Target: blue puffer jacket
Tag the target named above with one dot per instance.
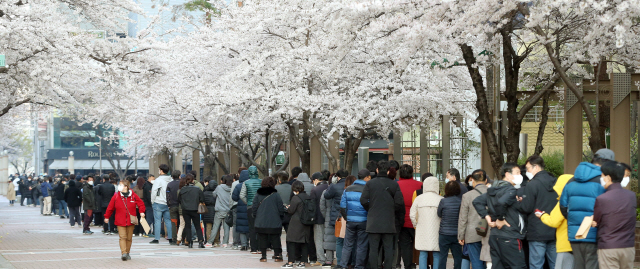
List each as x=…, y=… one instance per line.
x=351, y=202
x=579, y=197
x=242, y=221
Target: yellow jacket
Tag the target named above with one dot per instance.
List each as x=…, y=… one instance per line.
x=556, y=220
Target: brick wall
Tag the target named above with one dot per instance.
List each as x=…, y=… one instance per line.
x=637, y=241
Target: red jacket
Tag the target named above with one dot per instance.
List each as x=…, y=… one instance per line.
x=408, y=186
x=117, y=204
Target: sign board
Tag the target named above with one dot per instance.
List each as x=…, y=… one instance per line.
x=2, y=62
x=280, y=158
x=89, y=144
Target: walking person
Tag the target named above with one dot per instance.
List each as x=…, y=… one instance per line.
x=159, y=203
x=615, y=216
x=468, y=221
x=356, y=237
x=383, y=200
x=222, y=196
x=123, y=207
x=424, y=216
x=73, y=197
x=299, y=234
x=88, y=198
x=190, y=197
x=247, y=191
x=107, y=190
x=449, y=211
x=268, y=214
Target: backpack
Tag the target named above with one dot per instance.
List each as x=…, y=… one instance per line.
x=308, y=216
x=482, y=227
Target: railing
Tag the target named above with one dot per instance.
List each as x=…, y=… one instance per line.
x=555, y=114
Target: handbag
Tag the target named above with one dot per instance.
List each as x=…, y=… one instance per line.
x=133, y=219
x=229, y=218
x=202, y=209
x=482, y=227
x=341, y=227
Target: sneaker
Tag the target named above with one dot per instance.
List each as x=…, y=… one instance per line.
x=73, y=226
x=287, y=265
x=154, y=242
x=128, y=257
x=301, y=265
x=135, y=235
x=315, y=264
x=244, y=248
x=62, y=217
x=216, y=245
x=145, y=235
x=225, y=246
x=124, y=257
x=235, y=247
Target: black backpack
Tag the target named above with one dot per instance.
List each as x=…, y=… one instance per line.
x=308, y=216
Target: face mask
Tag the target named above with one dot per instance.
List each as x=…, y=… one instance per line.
x=120, y=188
x=517, y=179
x=90, y=183
x=529, y=175
x=446, y=180
x=602, y=182
x=625, y=182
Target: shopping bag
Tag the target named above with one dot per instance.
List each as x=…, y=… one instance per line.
x=583, y=231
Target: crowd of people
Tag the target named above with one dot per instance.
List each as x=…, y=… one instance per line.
x=383, y=217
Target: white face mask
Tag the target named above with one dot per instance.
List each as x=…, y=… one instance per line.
x=446, y=180
x=517, y=179
x=529, y=175
x=625, y=182
x=120, y=188
x=90, y=183
x=602, y=182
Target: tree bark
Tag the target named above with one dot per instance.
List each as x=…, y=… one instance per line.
x=543, y=124
x=351, y=145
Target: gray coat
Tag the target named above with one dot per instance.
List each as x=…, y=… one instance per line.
x=329, y=242
x=469, y=216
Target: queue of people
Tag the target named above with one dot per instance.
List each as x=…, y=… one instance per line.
x=379, y=218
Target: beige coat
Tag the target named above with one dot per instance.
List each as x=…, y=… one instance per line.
x=469, y=217
x=11, y=191
x=485, y=256
x=424, y=216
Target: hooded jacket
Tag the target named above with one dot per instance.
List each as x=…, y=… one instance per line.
x=73, y=195
x=58, y=191
x=45, y=188
x=88, y=197
x=306, y=181
x=210, y=202
x=269, y=211
x=424, y=216
x=350, y=206
x=539, y=194
x=329, y=239
x=251, y=186
x=159, y=190
x=119, y=206
x=298, y=232
x=555, y=219
x=500, y=204
x=334, y=193
x=579, y=198
x=242, y=220
x=223, y=198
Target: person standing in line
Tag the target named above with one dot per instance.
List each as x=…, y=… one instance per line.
x=222, y=196
x=123, y=207
x=334, y=194
x=268, y=214
x=539, y=195
x=615, y=216
x=449, y=211
x=36, y=193
x=383, y=200
x=356, y=237
x=454, y=175
x=190, y=197
x=242, y=220
x=146, y=198
x=424, y=216
x=407, y=234
x=73, y=197
x=299, y=234
x=139, y=190
x=107, y=190
x=88, y=205
x=159, y=203
x=11, y=191
x=321, y=185
x=467, y=235
x=247, y=191
x=24, y=191
x=210, y=202
x=173, y=203
x=577, y=202
x=499, y=206
x=98, y=214
x=555, y=219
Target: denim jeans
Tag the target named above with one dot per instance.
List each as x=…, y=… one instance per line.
x=356, y=237
x=62, y=204
x=465, y=264
x=474, y=255
x=161, y=211
x=537, y=252
x=339, y=245
x=447, y=242
x=424, y=256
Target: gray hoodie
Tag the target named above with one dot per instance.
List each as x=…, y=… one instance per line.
x=223, y=198
x=159, y=190
x=304, y=178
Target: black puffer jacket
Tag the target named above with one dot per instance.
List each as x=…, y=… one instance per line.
x=210, y=202
x=449, y=211
x=539, y=194
x=106, y=192
x=334, y=193
x=268, y=211
x=147, y=194
x=316, y=194
x=190, y=197
x=73, y=195
x=59, y=191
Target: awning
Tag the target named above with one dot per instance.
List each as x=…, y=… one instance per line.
x=95, y=164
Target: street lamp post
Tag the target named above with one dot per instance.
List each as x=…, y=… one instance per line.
x=71, y=160
x=99, y=144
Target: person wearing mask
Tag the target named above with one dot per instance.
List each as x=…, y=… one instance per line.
x=210, y=202
x=408, y=186
x=59, y=194
x=499, y=206
x=467, y=235
x=283, y=187
x=329, y=238
x=382, y=199
x=539, y=195
x=627, y=175
x=454, y=175
x=146, y=198
x=172, y=202
x=159, y=204
x=123, y=207
x=295, y=172
x=88, y=205
x=614, y=214
x=247, y=191
x=242, y=220
x=334, y=193
x=190, y=197
x=356, y=237
x=268, y=214
x=138, y=190
x=107, y=190
x=555, y=219
x=321, y=185
x=424, y=216
x=448, y=211
x=222, y=194
x=73, y=197
x=577, y=202
x=299, y=235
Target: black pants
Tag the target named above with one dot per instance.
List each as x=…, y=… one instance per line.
x=22, y=198
x=298, y=250
x=87, y=220
x=192, y=216
x=253, y=238
x=138, y=229
x=376, y=241
x=585, y=255
x=272, y=240
x=174, y=214
x=98, y=218
x=311, y=246
x=506, y=253
x=406, y=246
x=110, y=226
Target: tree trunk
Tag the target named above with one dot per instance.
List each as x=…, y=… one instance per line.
x=351, y=145
x=543, y=124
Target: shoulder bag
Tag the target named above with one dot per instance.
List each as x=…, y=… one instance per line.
x=133, y=219
x=482, y=227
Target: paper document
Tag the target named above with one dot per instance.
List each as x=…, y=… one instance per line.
x=584, y=227
x=145, y=225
